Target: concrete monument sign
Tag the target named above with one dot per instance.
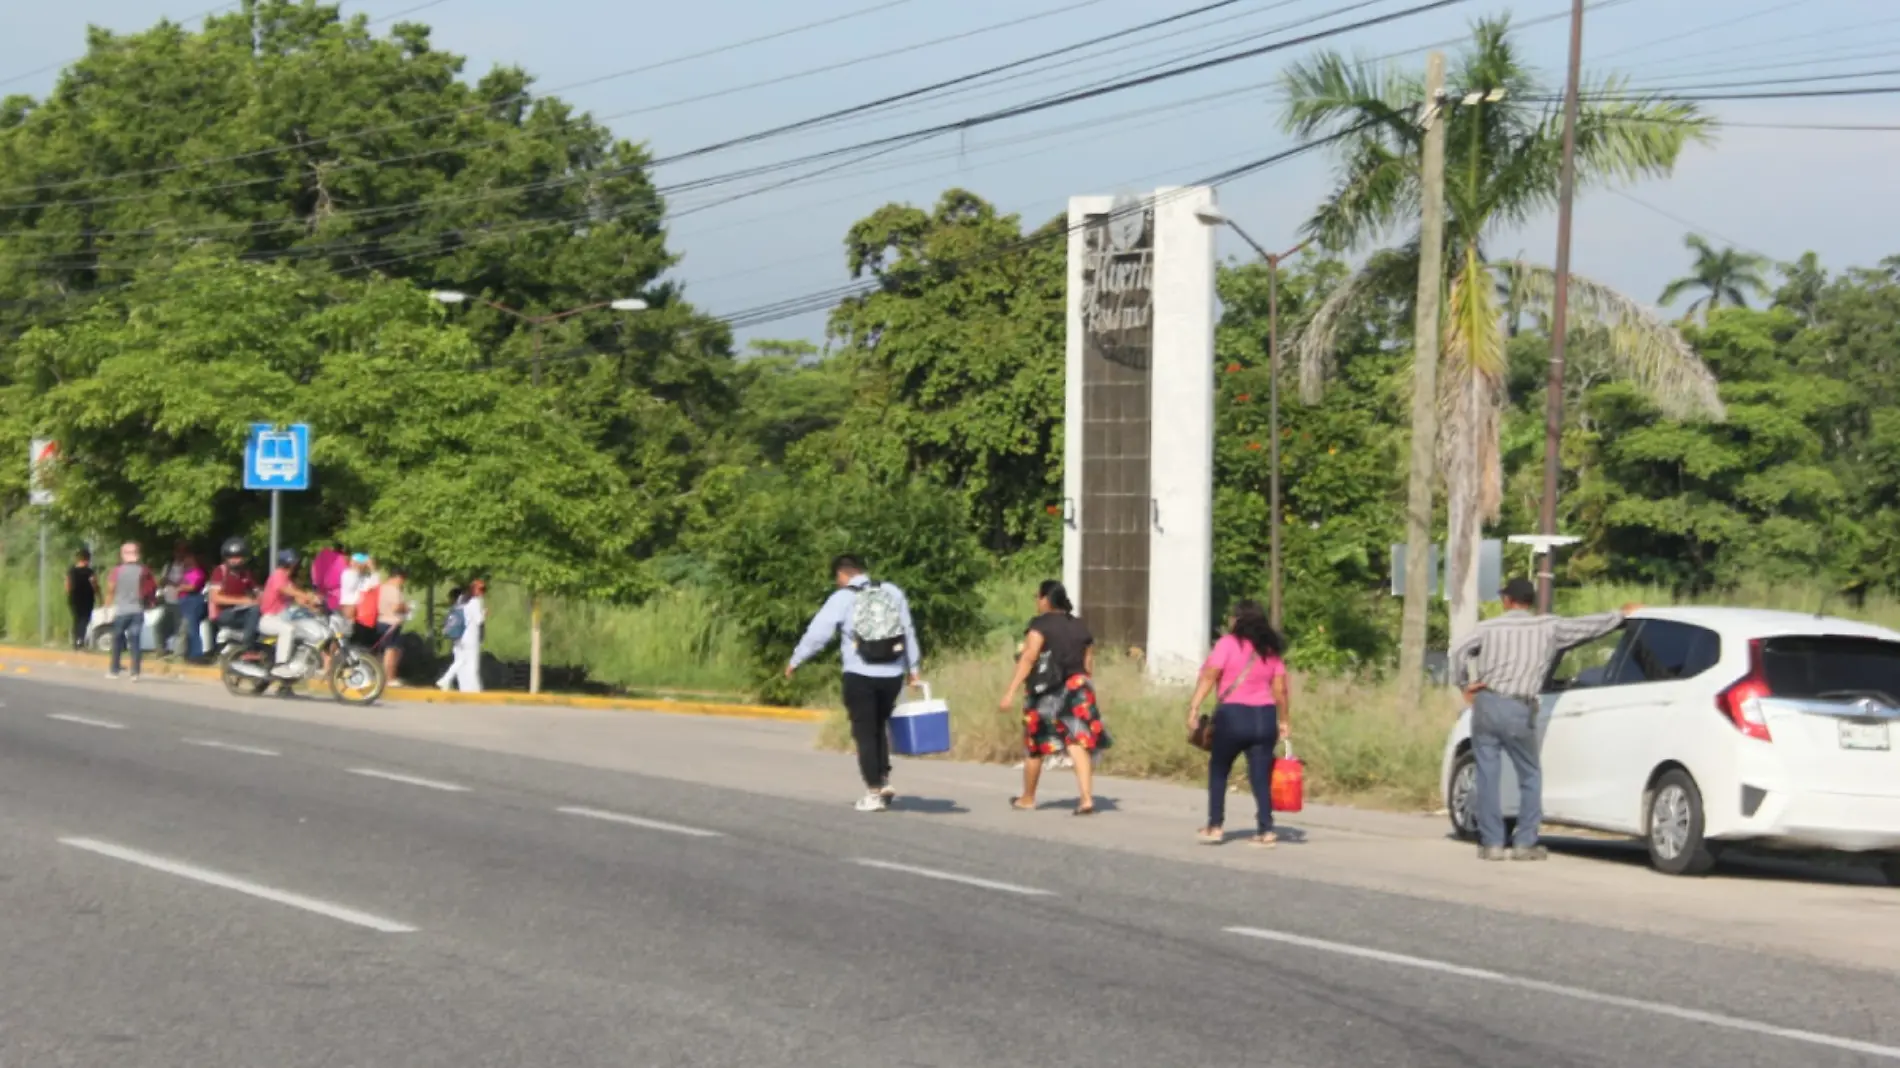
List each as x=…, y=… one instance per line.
x=1138, y=453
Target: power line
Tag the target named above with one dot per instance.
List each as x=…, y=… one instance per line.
x=1698, y=31
x=925, y=133
x=789, y=31
x=1693, y=228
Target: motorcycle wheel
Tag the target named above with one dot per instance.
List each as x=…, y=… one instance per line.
x=356, y=678
x=234, y=681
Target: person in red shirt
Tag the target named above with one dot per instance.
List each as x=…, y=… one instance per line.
x=279, y=614
x=234, y=592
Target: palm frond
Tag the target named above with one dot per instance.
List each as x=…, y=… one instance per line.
x=1642, y=348
x=1473, y=334
x=1317, y=346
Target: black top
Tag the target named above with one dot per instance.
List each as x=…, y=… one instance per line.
x=1066, y=639
x=79, y=579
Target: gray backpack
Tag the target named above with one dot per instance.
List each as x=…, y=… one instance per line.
x=876, y=625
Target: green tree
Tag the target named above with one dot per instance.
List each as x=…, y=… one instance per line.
x=961, y=351
x=773, y=562
x=1503, y=162
x=418, y=455
x=1802, y=283
x=1722, y=276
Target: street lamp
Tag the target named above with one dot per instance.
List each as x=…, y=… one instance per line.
x=1213, y=216
x=535, y=323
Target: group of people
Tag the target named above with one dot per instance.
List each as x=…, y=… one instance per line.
x=1053, y=691
x=370, y=604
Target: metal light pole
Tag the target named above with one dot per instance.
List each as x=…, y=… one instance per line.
x=1560, y=313
x=535, y=323
x=1214, y=217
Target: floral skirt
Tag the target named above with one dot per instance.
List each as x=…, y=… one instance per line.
x=1069, y=716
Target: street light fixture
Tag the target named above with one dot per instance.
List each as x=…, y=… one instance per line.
x=535, y=323
x=1213, y=216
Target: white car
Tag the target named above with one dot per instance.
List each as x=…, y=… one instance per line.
x=1693, y=728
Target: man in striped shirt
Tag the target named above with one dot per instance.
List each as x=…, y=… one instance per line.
x=1501, y=668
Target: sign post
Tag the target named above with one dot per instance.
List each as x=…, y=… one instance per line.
x=277, y=459
x=43, y=454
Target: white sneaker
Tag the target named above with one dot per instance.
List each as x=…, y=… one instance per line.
x=872, y=802
x=887, y=794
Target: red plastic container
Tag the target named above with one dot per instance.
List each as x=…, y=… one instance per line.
x=1289, y=783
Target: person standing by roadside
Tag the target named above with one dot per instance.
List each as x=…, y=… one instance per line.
x=170, y=583
x=1250, y=717
x=872, y=622
x=392, y=611
x=130, y=589
x=82, y=595
x=463, y=628
x=349, y=592
x=1501, y=668
x=1060, y=715
x=192, y=607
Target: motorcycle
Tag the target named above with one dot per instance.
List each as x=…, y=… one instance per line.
x=355, y=675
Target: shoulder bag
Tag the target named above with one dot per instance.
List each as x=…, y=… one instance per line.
x=1201, y=735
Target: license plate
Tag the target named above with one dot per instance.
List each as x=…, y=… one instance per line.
x=1864, y=735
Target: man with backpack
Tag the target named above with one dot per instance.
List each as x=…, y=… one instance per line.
x=872, y=620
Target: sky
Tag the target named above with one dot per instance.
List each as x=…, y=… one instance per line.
x=1770, y=190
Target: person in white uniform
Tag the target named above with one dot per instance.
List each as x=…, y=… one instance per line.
x=465, y=670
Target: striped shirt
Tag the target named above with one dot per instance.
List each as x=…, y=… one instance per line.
x=1512, y=654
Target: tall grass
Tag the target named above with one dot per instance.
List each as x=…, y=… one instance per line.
x=1357, y=745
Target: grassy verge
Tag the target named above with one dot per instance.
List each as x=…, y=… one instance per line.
x=1359, y=747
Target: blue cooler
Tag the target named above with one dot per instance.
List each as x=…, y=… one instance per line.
x=919, y=728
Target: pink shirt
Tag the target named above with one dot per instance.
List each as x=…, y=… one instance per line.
x=274, y=602
x=1230, y=658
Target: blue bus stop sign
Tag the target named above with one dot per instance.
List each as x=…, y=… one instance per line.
x=277, y=457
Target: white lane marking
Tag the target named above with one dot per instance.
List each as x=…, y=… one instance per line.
x=1654, y=1008
x=432, y=784
x=85, y=721
x=951, y=877
x=638, y=821
x=242, y=886
x=231, y=747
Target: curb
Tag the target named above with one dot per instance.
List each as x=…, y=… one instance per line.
x=10, y=655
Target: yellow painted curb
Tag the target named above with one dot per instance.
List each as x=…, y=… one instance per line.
x=431, y=695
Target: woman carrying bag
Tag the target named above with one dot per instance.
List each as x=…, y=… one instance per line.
x=1250, y=717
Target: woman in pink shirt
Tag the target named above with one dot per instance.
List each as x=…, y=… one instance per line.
x=1250, y=716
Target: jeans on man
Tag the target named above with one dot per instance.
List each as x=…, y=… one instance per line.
x=128, y=630
x=191, y=611
x=1506, y=726
x=870, y=701
x=241, y=618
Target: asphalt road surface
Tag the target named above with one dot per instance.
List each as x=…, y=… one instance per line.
x=181, y=885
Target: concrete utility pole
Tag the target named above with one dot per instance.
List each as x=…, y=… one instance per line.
x=1560, y=315
x=1426, y=330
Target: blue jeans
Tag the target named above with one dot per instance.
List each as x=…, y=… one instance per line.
x=128, y=630
x=1252, y=730
x=1506, y=725
x=191, y=610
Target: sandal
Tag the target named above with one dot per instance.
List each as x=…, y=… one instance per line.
x=1211, y=835
x=1084, y=810
x=1265, y=841
x=1017, y=804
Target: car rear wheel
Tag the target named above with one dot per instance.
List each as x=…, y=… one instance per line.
x=1674, y=819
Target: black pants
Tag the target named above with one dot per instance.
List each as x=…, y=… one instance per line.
x=82, y=621
x=869, y=702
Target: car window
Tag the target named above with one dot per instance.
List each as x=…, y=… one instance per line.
x=1664, y=650
x=1832, y=666
x=1586, y=665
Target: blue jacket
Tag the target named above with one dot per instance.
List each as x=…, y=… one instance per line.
x=835, y=616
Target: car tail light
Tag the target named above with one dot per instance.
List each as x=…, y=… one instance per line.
x=1741, y=702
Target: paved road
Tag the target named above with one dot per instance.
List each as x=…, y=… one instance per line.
x=183, y=885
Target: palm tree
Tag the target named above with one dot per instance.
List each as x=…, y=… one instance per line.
x=1502, y=168
x=1725, y=276
x=1802, y=283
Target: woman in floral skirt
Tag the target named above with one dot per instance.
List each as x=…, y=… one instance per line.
x=1059, y=712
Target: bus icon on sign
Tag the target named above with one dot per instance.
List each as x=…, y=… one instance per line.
x=277, y=459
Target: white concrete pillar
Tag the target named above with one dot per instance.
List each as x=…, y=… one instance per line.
x=1181, y=546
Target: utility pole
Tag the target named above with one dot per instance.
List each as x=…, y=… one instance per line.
x=1426, y=331
x=1560, y=316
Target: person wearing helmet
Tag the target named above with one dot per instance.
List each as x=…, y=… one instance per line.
x=276, y=616
x=234, y=592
